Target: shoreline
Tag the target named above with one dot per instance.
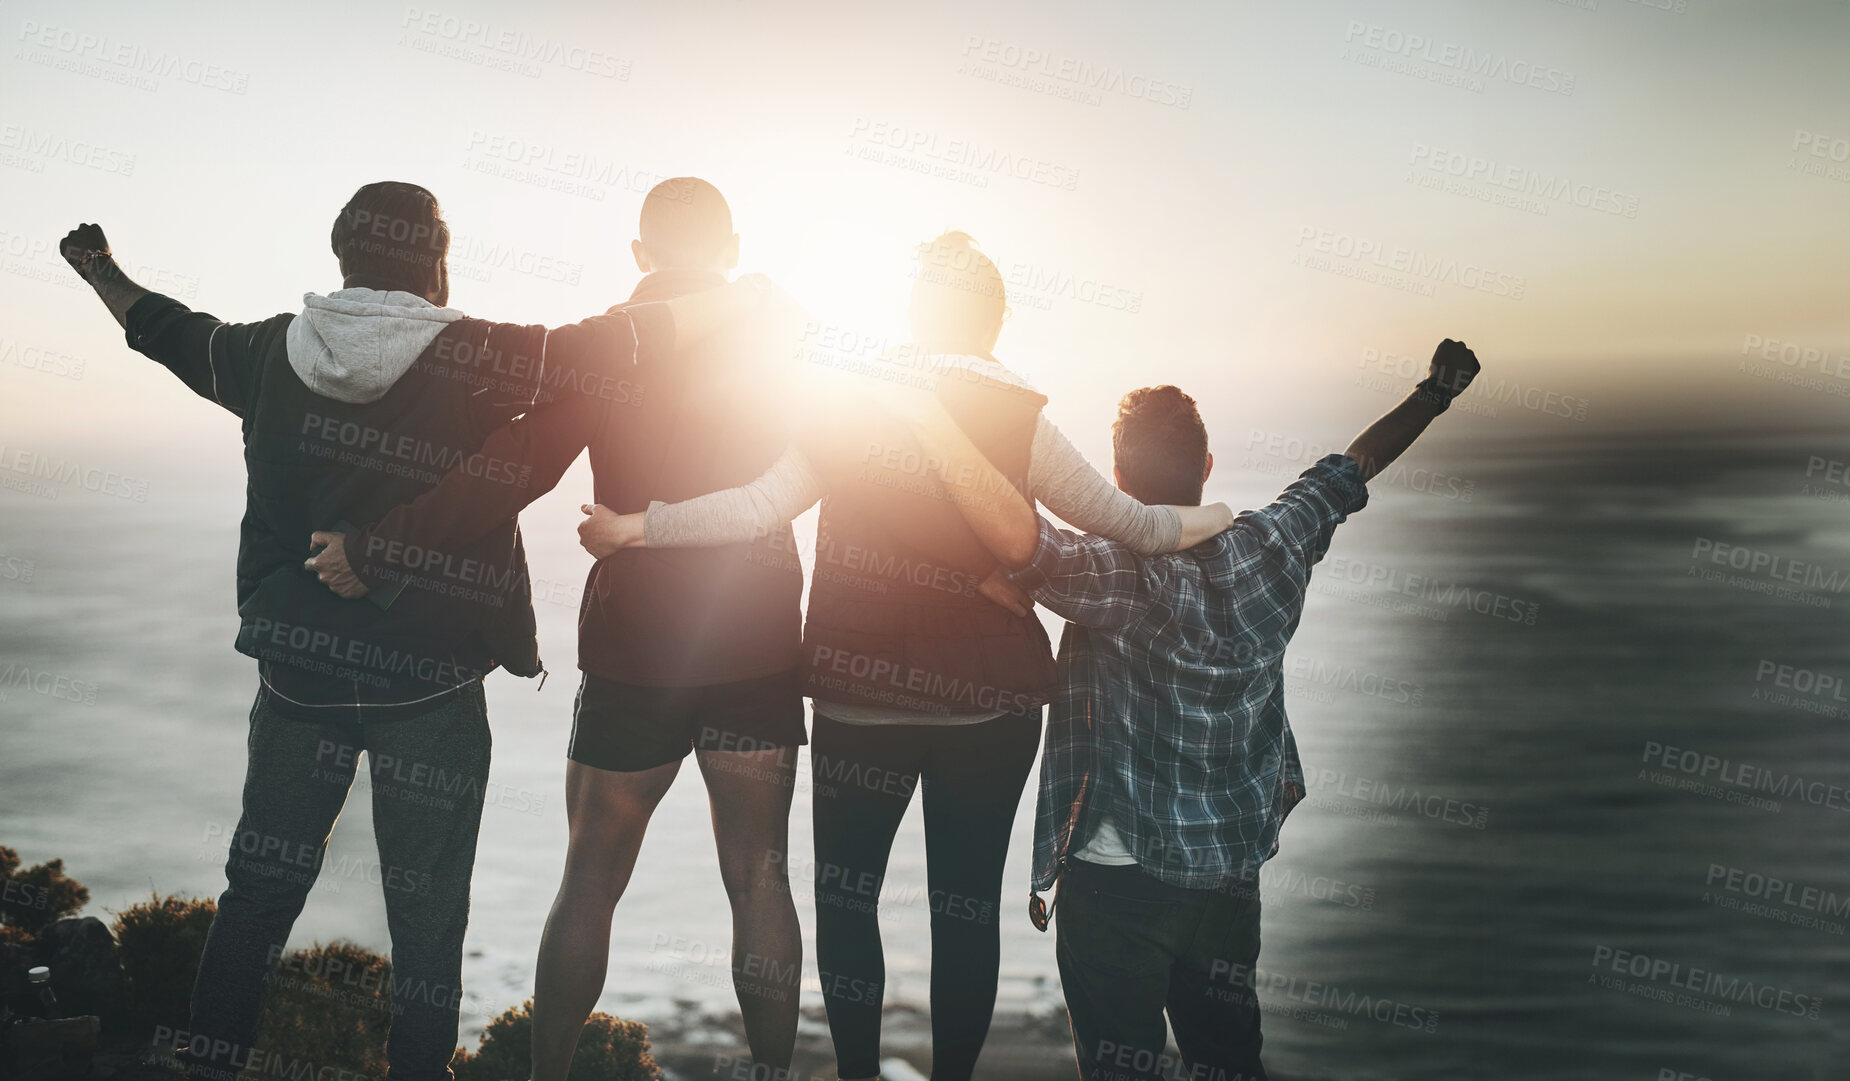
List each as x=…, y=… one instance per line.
x=1022, y=1046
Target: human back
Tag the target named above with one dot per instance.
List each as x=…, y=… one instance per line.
x=362, y=401
x=712, y=417
x=314, y=460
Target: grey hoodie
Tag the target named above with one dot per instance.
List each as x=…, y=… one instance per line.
x=353, y=344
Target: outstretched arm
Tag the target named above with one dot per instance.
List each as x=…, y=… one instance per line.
x=572, y=393
x=1061, y=478
x=516, y=465
x=1066, y=484
x=997, y=513
x=1087, y=579
x=547, y=413
x=87, y=250
x=699, y=316
x=1453, y=368
x=728, y=516
x=1201, y=523
x=736, y=515
x=218, y=361
x=1297, y=527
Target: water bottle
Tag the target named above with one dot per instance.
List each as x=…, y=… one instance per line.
x=46, y=1006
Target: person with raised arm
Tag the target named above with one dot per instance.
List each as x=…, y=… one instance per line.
x=1169, y=764
x=683, y=653
x=358, y=403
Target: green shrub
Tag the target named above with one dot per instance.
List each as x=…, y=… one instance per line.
x=38, y=895
x=159, y=942
x=329, y=1006
x=608, y=1050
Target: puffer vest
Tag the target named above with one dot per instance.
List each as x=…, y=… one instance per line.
x=895, y=618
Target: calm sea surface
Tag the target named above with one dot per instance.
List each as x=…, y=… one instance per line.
x=1557, y=755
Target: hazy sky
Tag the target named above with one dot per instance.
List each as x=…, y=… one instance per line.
x=1281, y=207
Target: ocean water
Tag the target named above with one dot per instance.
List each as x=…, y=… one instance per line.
x=1557, y=752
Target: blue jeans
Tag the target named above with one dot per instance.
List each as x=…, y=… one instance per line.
x=428, y=775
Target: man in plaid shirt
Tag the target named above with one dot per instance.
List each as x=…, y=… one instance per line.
x=1169, y=764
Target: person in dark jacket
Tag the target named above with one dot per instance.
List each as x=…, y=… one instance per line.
x=357, y=404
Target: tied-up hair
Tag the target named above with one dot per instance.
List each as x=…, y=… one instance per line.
x=1160, y=446
x=969, y=301
x=391, y=235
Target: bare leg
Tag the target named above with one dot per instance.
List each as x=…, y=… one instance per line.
x=608, y=813
x=750, y=793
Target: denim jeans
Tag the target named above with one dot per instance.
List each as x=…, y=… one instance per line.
x=1132, y=948
x=428, y=774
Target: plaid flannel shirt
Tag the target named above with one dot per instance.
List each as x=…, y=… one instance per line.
x=1170, y=715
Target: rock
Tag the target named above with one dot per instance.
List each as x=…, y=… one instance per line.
x=50, y=1050
x=15, y=959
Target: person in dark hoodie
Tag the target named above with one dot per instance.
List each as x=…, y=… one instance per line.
x=357, y=404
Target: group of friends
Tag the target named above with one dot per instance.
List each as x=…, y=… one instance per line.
x=391, y=442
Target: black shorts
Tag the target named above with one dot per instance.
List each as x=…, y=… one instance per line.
x=624, y=727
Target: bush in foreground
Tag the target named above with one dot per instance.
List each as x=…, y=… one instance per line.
x=325, y=1006
x=329, y=1006
x=608, y=1050
x=159, y=942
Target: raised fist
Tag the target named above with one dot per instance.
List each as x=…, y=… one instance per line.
x=1453, y=367
x=83, y=243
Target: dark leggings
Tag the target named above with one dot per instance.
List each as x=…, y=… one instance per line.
x=864, y=776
